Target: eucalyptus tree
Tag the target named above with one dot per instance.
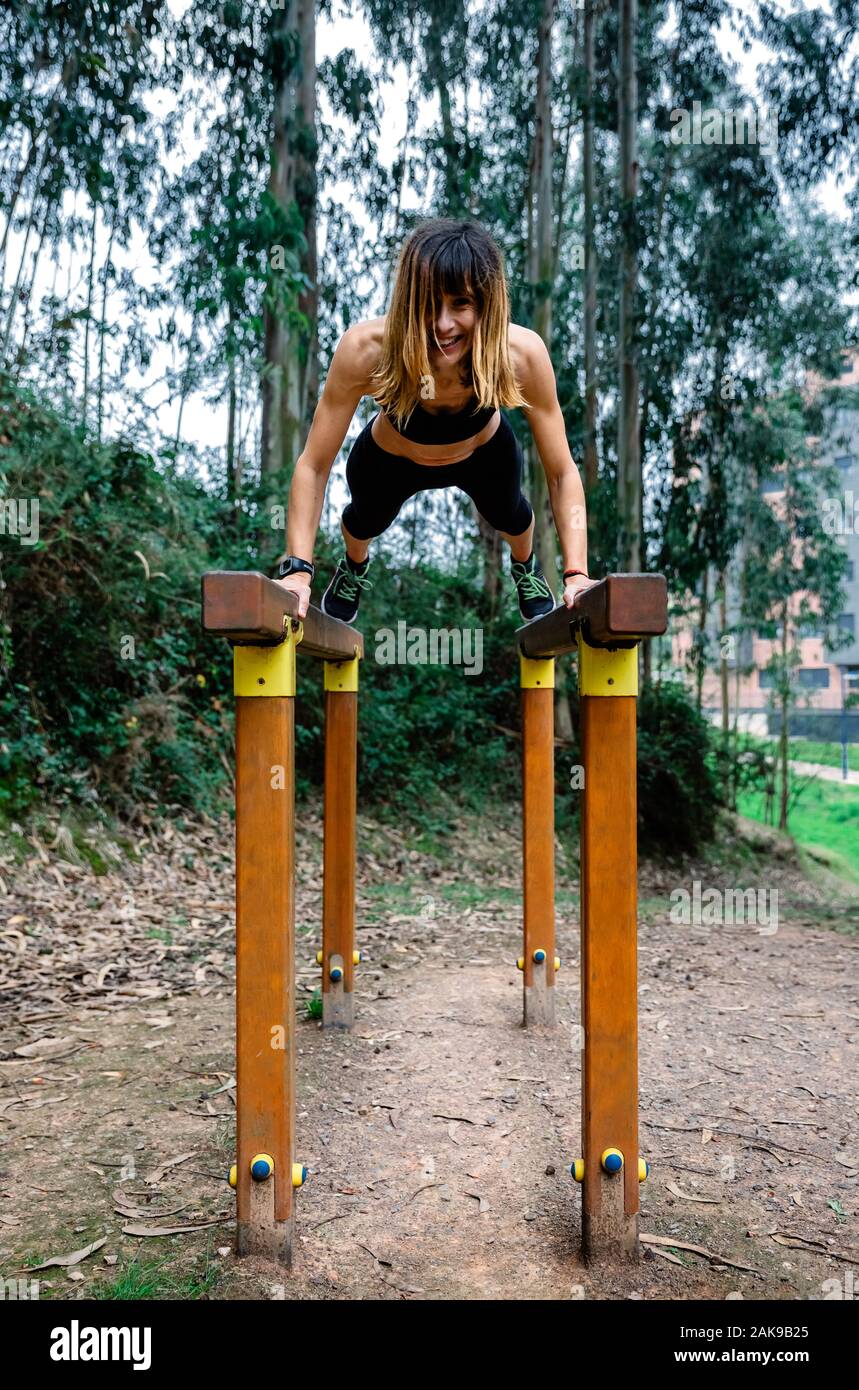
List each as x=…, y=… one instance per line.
x=71, y=95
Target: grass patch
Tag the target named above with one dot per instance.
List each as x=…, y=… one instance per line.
x=824, y=819
x=142, y=1279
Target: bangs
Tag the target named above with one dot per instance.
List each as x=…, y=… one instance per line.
x=453, y=270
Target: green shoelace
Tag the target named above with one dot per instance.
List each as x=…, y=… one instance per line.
x=347, y=585
x=529, y=584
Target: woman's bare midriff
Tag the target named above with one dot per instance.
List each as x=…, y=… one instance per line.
x=430, y=455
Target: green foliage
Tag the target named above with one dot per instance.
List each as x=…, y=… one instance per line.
x=678, y=789
x=110, y=694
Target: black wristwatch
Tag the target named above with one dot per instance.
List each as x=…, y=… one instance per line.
x=293, y=565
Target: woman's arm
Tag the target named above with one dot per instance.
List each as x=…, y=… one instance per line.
x=347, y=381
x=566, y=494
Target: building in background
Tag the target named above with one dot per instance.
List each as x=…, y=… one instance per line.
x=824, y=679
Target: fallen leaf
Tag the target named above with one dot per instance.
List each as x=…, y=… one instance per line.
x=171, y=1230
x=73, y=1259
x=696, y=1250
x=691, y=1196
x=47, y=1047
x=158, y=1173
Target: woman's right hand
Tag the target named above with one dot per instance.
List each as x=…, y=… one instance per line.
x=298, y=584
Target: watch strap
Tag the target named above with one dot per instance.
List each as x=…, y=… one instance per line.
x=293, y=564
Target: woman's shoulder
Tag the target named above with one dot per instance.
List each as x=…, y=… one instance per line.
x=359, y=350
x=526, y=348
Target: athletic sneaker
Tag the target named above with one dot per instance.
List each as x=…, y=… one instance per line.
x=535, y=596
x=343, y=594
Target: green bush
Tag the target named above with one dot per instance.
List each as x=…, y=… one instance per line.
x=110, y=694
x=678, y=791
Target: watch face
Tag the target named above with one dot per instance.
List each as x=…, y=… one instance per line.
x=292, y=566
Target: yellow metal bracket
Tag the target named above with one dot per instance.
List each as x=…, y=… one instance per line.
x=342, y=676
x=605, y=672
x=267, y=670
x=536, y=673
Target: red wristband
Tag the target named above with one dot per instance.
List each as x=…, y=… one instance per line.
x=569, y=573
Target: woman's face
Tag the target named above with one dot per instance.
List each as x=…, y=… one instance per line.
x=454, y=328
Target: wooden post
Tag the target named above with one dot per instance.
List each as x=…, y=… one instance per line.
x=338, y=882
x=260, y=618
x=537, y=680
x=608, y=685
x=264, y=683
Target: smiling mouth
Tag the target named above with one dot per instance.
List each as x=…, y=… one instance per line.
x=446, y=343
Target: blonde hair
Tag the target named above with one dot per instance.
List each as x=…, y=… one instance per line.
x=454, y=258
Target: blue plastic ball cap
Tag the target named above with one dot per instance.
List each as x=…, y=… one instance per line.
x=613, y=1163
x=336, y=973
x=539, y=957
x=260, y=1171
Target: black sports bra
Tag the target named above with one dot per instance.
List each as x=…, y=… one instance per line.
x=448, y=427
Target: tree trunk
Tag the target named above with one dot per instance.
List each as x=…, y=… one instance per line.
x=411, y=110
x=101, y=349
x=540, y=275
x=28, y=294
x=628, y=444
x=289, y=355
x=306, y=188
x=542, y=262
x=591, y=460
x=723, y=661
x=89, y=302
x=13, y=296
x=703, y=614
x=785, y=711
x=491, y=543
x=451, y=198
x=186, y=384
x=232, y=475
x=280, y=403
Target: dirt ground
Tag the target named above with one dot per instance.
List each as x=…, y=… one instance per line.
x=439, y=1134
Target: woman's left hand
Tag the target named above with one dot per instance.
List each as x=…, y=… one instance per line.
x=576, y=584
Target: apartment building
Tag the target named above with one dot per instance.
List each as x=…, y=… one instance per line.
x=824, y=678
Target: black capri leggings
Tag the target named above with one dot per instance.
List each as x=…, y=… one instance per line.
x=379, y=483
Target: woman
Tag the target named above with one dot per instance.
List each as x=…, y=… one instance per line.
x=439, y=364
